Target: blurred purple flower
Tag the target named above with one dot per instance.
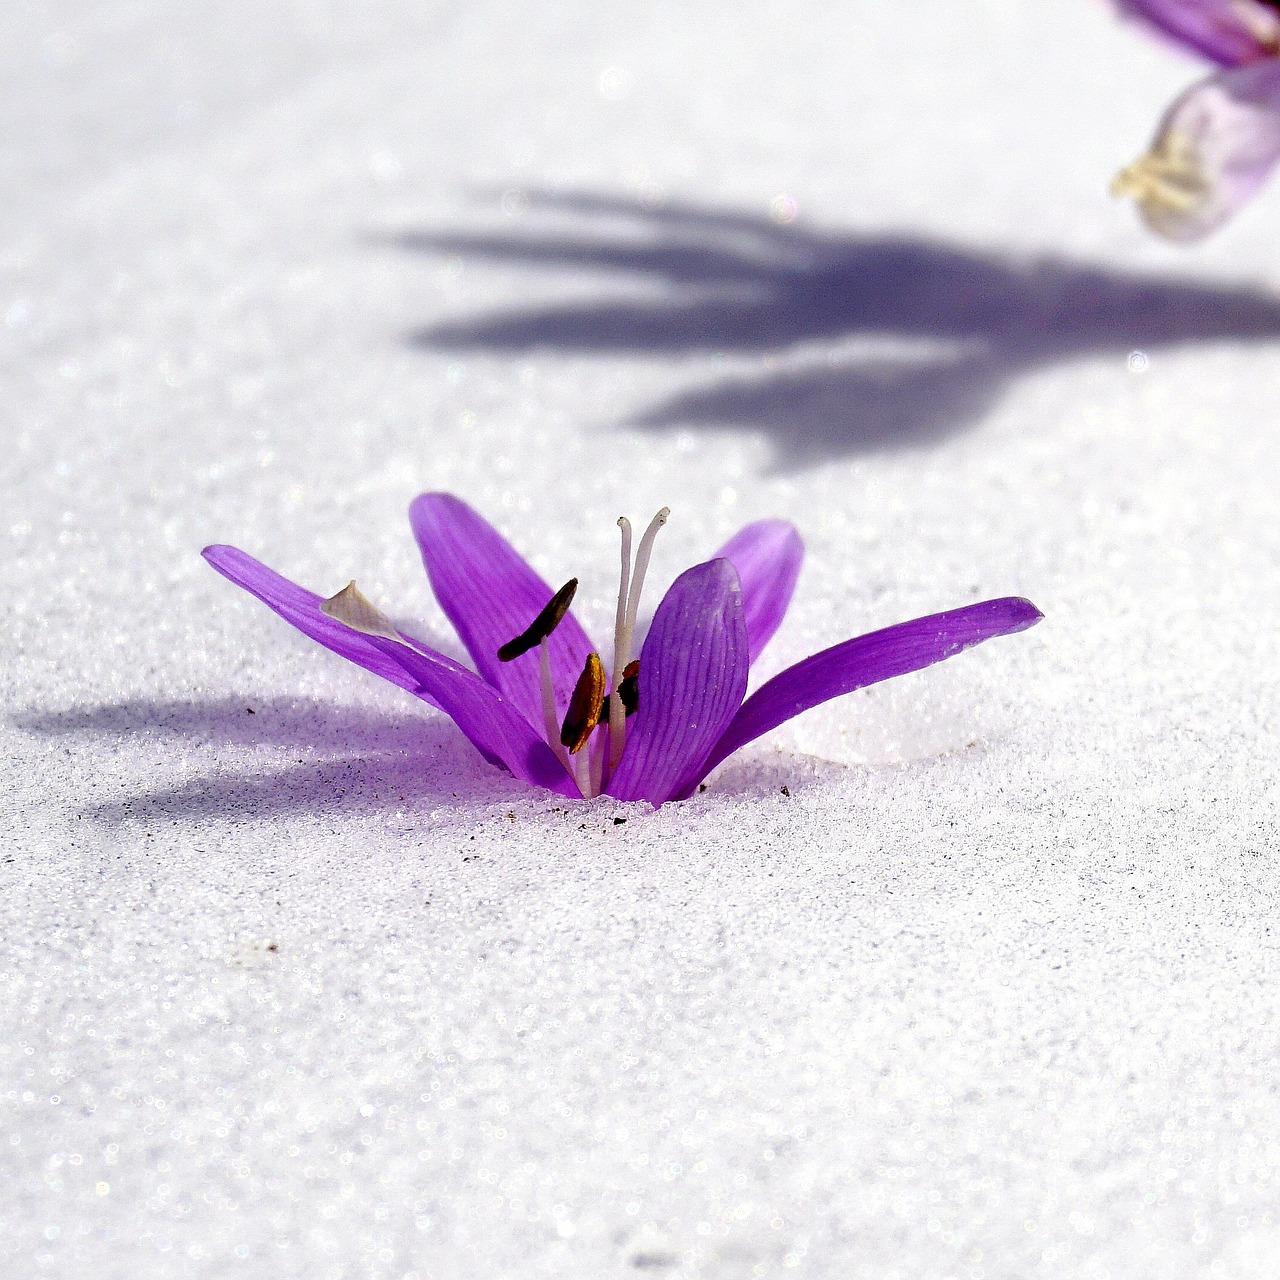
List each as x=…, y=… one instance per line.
x=1221, y=138
x=1231, y=33
x=537, y=704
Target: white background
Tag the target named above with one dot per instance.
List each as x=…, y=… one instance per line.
x=312, y=991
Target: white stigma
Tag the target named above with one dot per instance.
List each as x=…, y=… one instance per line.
x=630, y=587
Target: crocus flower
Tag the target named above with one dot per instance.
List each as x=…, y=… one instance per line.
x=539, y=703
x=1221, y=138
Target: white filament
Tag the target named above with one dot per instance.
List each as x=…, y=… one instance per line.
x=580, y=767
x=550, y=723
x=596, y=752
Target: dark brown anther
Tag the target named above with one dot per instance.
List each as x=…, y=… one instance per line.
x=628, y=691
x=543, y=625
x=585, y=706
x=629, y=687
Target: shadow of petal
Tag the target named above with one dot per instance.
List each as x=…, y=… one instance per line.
x=365, y=784
x=715, y=281
x=246, y=721
x=367, y=761
x=876, y=406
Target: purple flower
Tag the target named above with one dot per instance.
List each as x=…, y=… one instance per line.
x=1221, y=138
x=1231, y=33
x=537, y=703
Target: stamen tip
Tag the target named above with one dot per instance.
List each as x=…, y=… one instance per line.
x=543, y=625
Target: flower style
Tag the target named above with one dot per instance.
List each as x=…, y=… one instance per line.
x=537, y=703
x=1220, y=139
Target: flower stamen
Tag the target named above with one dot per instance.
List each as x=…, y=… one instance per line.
x=550, y=728
x=537, y=633
x=543, y=625
x=628, y=691
x=584, y=706
x=596, y=753
x=617, y=721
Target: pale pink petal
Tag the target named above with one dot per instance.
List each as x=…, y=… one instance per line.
x=1214, y=148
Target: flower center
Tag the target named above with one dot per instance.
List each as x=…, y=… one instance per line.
x=591, y=762
x=1169, y=179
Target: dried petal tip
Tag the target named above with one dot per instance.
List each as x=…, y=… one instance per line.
x=585, y=706
x=543, y=625
x=353, y=610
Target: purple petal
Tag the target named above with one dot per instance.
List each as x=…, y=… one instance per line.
x=490, y=594
x=1229, y=32
x=1215, y=146
x=496, y=728
x=894, y=651
x=491, y=724
x=693, y=674
x=767, y=556
x=301, y=607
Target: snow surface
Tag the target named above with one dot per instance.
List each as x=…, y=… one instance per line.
x=294, y=985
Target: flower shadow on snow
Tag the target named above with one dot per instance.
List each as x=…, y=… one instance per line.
x=359, y=760
x=908, y=340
